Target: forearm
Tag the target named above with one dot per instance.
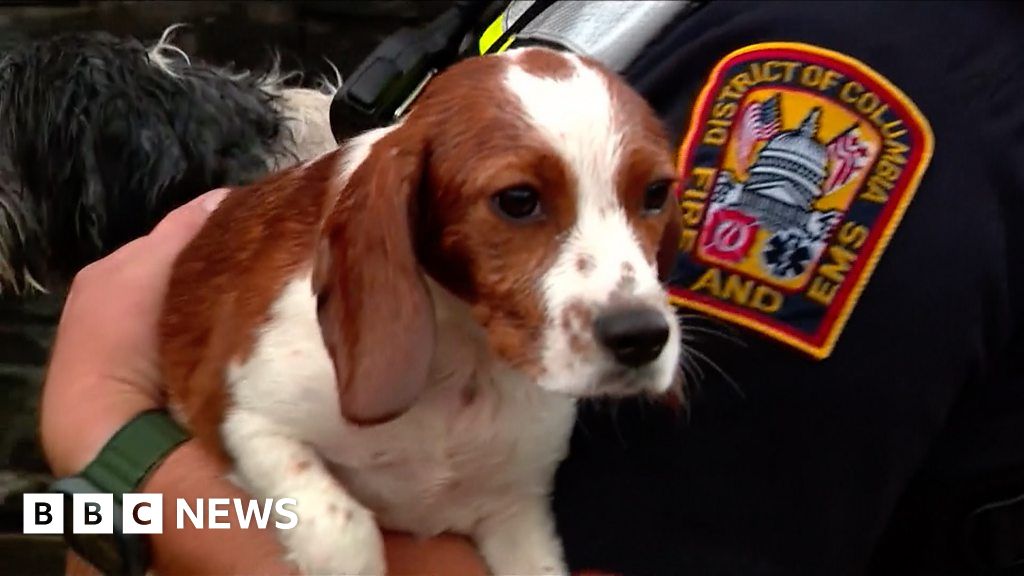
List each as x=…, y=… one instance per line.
x=192, y=473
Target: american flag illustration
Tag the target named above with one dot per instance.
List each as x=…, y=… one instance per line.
x=760, y=121
x=847, y=156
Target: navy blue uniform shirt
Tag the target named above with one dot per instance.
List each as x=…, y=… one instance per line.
x=796, y=456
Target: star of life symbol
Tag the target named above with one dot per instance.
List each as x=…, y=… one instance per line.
x=787, y=178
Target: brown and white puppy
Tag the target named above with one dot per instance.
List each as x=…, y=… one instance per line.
x=396, y=333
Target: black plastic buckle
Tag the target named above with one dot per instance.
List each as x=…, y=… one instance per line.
x=386, y=82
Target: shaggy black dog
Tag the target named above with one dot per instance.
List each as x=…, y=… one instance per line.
x=101, y=136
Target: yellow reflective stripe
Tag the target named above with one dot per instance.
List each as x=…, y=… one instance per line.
x=492, y=33
x=507, y=43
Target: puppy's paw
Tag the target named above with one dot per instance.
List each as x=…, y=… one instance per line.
x=339, y=539
x=522, y=541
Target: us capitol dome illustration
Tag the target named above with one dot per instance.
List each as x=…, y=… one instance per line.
x=787, y=177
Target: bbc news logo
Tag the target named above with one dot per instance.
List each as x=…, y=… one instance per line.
x=94, y=513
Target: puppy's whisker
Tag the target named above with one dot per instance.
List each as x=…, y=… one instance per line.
x=691, y=351
x=689, y=334
x=679, y=385
x=692, y=318
x=615, y=404
x=688, y=365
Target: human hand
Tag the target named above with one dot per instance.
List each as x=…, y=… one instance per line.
x=103, y=367
x=104, y=370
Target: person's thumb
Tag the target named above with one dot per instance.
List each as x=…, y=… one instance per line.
x=185, y=221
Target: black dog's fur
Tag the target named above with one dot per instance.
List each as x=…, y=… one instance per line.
x=102, y=136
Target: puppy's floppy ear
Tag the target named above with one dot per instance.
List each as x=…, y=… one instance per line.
x=668, y=248
x=375, y=312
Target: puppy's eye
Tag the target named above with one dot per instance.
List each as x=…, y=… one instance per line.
x=520, y=203
x=655, y=196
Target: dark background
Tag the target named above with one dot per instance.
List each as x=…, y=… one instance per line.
x=242, y=34
x=238, y=32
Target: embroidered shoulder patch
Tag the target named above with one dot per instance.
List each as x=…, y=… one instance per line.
x=797, y=168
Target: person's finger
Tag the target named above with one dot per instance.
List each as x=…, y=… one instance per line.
x=182, y=223
x=167, y=238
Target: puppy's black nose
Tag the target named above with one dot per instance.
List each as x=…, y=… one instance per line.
x=635, y=335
